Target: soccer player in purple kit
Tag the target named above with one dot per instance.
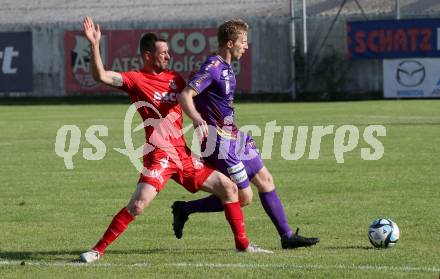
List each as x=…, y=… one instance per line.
x=207, y=100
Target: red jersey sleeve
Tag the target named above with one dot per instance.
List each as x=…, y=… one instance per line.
x=128, y=83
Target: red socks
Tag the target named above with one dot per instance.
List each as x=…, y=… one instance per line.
x=118, y=225
x=234, y=215
x=120, y=222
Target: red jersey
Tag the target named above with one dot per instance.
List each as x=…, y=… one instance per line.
x=163, y=124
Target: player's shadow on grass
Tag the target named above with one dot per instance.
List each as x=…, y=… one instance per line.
x=351, y=247
x=25, y=255
x=73, y=254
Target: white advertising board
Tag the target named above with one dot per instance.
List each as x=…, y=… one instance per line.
x=411, y=78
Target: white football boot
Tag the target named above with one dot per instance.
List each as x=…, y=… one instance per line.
x=252, y=248
x=89, y=257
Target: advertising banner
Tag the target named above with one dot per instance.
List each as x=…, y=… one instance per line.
x=382, y=39
x=411, y=78
x=16, y=62
x=120, y=52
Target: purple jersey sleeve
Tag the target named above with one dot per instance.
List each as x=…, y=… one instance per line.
x=204, y=77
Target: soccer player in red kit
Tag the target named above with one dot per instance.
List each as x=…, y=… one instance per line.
x=153, y=90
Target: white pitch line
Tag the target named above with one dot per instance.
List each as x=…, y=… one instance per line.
x=292, y=266
x=230, y=266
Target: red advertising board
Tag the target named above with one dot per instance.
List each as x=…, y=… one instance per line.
x=120, y=52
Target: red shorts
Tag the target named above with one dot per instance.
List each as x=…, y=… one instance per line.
x=177, y=163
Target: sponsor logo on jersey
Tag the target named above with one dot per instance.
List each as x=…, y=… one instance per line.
x=165, y=97
x=173, y=84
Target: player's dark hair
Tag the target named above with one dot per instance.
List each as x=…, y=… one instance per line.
x=230, y=30
x=148, y=42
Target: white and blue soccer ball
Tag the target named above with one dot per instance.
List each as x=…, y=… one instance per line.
x=383, y=233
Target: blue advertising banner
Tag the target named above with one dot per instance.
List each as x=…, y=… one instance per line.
x=380, y=39
x=16, y=62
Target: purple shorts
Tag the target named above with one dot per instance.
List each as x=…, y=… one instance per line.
x=236, y=158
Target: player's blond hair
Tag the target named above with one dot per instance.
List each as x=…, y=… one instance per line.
x=230, y=30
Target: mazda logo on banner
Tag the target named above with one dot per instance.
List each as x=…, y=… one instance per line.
x=410, y=73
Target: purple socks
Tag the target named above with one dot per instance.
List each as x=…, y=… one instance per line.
x=274, y=208
x=270, y=201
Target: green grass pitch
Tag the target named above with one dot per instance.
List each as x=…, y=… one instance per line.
x=49, y=214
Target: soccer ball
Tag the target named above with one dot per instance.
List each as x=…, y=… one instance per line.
x=383, y=233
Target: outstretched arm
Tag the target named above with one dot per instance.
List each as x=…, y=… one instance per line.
x=93, y=35
x=187, y=103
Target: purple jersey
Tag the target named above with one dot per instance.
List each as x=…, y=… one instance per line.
x=234, y=154
x=215, y=85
